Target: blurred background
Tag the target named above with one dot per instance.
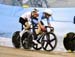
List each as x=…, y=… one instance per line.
x=26, y=3
x=40, y=3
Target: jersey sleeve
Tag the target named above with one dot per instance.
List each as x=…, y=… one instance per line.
x=48, y=20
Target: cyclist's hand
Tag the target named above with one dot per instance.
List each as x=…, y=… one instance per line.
x=43, y=28
x=52, y=29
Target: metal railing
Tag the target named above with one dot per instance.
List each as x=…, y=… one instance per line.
x=30, y=3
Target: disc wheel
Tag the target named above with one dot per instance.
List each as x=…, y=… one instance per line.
x=69, y=41
x=27, y=40
x=16, y=39
x=49, y=42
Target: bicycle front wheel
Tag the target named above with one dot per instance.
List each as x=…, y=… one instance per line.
x=49, y=41
x=26, y=40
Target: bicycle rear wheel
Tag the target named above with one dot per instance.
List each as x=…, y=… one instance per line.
x=49, y=42
x=16, y=39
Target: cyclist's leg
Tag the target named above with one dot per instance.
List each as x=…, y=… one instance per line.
x=21, y=33
x=38, y=30
x=26, y=28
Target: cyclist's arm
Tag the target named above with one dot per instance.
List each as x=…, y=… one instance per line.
x=48, y=21
x=40, y=23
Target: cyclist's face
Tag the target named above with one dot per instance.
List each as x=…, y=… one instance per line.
x=35, y=14
x=47, y=15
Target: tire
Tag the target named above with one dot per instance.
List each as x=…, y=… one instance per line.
x=69, y=41
x=16, y=39
x=27, y=40
x=47, y=41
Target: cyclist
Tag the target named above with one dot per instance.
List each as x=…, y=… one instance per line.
x=45, y=20
x=27, y=19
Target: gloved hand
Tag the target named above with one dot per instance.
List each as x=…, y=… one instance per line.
x=43, y=28
x=52, y=29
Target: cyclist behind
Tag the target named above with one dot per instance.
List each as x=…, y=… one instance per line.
x=27, y=19
x=45, y=20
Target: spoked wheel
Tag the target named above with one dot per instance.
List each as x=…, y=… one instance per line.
x=27, y=40
x=16, y=39
x=37, y=46
x=49, y=42
x=69, y=41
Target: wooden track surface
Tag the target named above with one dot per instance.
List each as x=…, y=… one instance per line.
x=13, y=52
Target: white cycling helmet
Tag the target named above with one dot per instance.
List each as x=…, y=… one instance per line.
x=48, y=11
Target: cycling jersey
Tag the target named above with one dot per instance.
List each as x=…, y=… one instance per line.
x=34, y=21
x=26, y=17
x=45, y=21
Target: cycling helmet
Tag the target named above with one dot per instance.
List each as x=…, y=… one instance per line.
x=48, y=11
x=35, y=10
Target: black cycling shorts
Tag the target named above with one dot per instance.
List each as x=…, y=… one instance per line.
x=22, y=20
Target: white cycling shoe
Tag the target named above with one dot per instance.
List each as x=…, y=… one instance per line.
x=36, y=42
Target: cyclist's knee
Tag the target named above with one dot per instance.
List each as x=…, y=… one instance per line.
x=38, y=31
x=27, y=26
